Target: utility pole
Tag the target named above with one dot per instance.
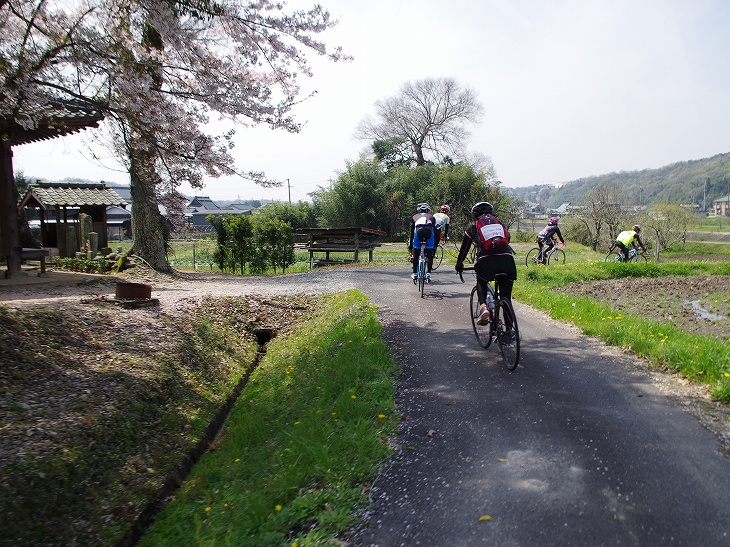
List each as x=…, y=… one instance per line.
x=289, y=187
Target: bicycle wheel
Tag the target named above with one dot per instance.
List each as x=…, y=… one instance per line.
x=421, y=276
x=556, y=257
x=612, y=257
x=639, y=258
x=438, y=256
x=531, y=258
x=482, y=332
x=508, y=337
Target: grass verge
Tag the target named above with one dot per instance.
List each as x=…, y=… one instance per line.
x=702, y=359
x=293, y=462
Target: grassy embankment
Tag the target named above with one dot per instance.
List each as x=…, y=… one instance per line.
x=302, y=443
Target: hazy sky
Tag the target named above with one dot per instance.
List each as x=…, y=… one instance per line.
x=570, y=88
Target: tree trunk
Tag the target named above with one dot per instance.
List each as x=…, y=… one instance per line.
x=147, y=222
x=9, y=237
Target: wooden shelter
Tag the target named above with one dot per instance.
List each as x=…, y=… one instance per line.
x=54, y=119
x=60, y=205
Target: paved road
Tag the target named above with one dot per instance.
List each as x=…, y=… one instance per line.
x=573, y=448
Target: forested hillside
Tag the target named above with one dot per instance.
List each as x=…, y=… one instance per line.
x=695, y=181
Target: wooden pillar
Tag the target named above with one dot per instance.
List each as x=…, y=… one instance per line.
x=9, y=236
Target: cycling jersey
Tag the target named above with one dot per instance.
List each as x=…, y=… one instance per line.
x=442, y=219
x=549, y=231
x=420, y=223
x=626, y=237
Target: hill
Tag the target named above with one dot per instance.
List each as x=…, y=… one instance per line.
x=688, y=182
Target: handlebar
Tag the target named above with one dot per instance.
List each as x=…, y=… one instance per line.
x=465, y=269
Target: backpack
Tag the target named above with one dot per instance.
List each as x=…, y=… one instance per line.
x=493, y=236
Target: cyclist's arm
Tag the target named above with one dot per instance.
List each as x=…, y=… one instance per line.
x=463, y=251
x=410, y=237
x=560, y=236
x=641, y=243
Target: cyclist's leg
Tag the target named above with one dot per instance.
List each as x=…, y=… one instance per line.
x=540, y=243
x=624, y=250
x=429, y=259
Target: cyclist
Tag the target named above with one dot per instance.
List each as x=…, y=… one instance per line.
x=422, y=228
x=442, y=223
x=629, y=238
x=546, y=238
x=491, y=239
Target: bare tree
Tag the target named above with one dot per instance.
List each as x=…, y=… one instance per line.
x=601, y=211
x=668, y=224
x=430, y=115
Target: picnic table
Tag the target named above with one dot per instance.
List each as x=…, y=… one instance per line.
x=340, y=240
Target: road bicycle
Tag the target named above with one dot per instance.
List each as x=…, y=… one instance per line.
x=502, y=324
x=422, y=276
x=553, y=256
x=617, y=256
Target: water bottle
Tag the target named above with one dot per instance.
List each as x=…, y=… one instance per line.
x=490, y=302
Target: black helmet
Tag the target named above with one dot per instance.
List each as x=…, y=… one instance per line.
x=482, y=208
x=424, y=208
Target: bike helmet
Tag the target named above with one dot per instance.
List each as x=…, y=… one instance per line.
x=445, y=208
x=636, y=228
x=482, y=208
x=554, y=221
x=424, y=208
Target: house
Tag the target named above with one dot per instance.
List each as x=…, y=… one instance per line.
x=200, y=207
x=722, y=206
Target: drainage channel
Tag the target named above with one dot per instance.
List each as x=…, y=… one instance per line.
x=177, y=477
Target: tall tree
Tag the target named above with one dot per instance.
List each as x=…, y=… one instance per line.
x=430, y=114
x=171, y=64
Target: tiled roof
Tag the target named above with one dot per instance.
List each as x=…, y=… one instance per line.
x=77, y=195
x=56, y=119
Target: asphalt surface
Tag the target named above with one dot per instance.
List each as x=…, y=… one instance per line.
x=572, y=448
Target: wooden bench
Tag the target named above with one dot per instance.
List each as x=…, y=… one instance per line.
x=27, y=253
x=340, y=240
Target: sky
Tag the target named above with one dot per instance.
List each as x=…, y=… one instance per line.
x=570, y=89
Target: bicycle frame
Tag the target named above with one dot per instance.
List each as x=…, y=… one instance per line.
x=421, y=269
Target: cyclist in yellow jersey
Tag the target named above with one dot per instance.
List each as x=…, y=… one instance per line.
x=629, y=238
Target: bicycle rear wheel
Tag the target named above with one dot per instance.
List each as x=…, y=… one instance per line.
x=613, y=257
x=508, y=334
x=482, y=332
x=438, y=256
x=557, y=257
x=421, y=276
x=531, y=257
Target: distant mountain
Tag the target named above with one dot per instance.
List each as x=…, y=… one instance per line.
x=687, y=182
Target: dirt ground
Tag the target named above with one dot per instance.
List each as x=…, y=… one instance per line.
x=698, y=304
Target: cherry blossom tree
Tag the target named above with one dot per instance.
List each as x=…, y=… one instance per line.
x=160, y=69
x=171, y=65
x=430, y=116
